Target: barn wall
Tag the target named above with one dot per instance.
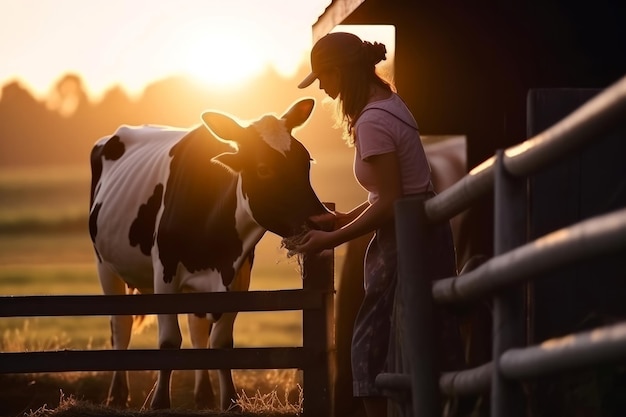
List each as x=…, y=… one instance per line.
x=466, y=69
x=588, y=183
x=585, y=184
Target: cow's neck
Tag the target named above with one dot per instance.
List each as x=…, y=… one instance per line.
x=248, y=229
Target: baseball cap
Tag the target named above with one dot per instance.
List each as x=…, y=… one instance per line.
x=332, y=50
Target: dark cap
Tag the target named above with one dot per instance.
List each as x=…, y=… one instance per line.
x=330, y=51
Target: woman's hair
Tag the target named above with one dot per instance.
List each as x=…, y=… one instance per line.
x=356, y=79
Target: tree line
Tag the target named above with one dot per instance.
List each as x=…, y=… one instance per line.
x=62, y=128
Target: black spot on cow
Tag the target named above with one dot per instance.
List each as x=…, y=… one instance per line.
x=197, y=228
x=96, y=170
x=113, y=148
x=142, y=229
x=93, y=224
x=93, y=221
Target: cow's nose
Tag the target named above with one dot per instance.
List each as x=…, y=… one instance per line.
x=312, y=225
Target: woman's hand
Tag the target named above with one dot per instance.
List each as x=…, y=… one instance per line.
x=332, y=220
x=313, y=241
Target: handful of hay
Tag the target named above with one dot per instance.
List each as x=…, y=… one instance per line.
x=291, y=242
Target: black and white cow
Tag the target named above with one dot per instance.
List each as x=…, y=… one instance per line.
x=176, y=210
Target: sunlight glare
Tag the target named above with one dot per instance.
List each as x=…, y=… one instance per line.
x=220, y=57
x=133, y=44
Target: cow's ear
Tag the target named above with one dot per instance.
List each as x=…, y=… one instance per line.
x=298, y=113
x=222, y=125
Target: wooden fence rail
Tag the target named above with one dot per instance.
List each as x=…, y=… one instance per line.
x=315, y=357
x=104, y=305
x=514, y=263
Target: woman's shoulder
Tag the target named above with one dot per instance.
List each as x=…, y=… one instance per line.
x=391, y=108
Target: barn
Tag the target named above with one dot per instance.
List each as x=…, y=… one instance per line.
x=498, y=73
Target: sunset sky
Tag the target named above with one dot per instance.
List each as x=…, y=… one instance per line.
x=132, y=43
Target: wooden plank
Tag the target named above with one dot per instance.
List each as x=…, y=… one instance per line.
x=318, y=337
x=144, y=359
x=95, y=305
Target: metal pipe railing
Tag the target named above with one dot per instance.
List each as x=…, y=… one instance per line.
x=455, y=383
x=590, y=238
x=508, y=330
x=602, y=345
x=597, y=116
x=418, y=327
x=467, y=382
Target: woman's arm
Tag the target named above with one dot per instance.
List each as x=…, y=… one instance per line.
x=338, y=219
x=346, y=218
x=368, y=216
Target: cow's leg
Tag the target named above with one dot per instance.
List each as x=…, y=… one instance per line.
x=199, y=329
x=169, y=336
x=222, y=337
x=121, y=327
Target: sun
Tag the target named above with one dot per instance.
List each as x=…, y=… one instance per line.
x=221, y=57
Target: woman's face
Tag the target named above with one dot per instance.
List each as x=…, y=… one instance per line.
x=330, y=81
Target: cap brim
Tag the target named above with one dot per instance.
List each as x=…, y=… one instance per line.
x=308, y=80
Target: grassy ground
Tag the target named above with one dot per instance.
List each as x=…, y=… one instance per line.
x=53, y=272
x=82, y=394
x=58, y=264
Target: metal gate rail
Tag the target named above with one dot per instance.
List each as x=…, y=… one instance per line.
x=514, y=263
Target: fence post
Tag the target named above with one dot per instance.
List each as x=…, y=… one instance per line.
x=416, y=296
x=510, y=231
x=318, y=335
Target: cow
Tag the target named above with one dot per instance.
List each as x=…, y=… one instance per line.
x=181, y=210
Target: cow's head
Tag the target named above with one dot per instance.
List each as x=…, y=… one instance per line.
x=273, y=168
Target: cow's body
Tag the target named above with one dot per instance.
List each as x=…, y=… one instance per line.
x=139, y=181
x=178, y=210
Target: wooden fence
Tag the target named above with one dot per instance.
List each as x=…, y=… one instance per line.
x=315, y=357
x=515, y=263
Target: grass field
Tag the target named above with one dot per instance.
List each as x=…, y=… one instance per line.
x=45, y=249
x=50, y=264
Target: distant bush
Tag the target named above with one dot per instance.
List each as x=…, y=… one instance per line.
x=78, y=224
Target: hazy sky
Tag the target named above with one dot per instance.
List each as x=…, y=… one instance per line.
x=131, y=42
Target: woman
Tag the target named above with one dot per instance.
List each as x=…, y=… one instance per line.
x=389, y=163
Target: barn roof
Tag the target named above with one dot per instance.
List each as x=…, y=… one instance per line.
x=335, y=14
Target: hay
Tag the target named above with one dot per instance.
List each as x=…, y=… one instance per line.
x=290, y=243
x=260, y=405
x=270, y=403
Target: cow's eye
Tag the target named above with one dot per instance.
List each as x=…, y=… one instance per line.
x=264, y=171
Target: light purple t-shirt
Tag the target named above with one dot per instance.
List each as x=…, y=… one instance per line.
x=377, y=133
